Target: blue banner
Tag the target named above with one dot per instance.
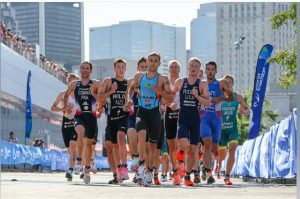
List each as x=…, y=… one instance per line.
x=28, y=124
x=260, y=84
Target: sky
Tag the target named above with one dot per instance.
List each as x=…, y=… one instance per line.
x=168, y=12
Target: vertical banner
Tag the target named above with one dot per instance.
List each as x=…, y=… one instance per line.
x=28, y=122
x=260, y=84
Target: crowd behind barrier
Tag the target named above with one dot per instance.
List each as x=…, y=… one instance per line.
x=19, y=44
x=271, y=155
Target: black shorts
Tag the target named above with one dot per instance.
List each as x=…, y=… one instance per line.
x=89, y=122
x=149, y=120
x=107, y=136
x=114, y=126
x=160, y=142
x=171, y=119
x=68, y=131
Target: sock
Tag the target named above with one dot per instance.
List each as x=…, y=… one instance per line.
x=70, y=169
x=119, y=166
x=124, y=165
x=141, y=162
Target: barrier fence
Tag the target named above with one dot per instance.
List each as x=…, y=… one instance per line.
x=271, y=155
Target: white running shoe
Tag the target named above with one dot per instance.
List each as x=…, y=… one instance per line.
x=148, y=179
x=135, y=164
x=140, y=174
x=94, y=169
x=77, y=169
x=86, y=178
x=69, y=175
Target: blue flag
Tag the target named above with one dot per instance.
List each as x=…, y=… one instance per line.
x=260, y=84
x=28, y=124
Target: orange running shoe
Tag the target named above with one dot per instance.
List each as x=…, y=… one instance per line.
x=177, y=179
x=227, y=181
x=156, y=181
x=180, y=155
x=181, y=169
x=188, y=183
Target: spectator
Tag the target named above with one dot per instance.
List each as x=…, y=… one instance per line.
x=12, y=138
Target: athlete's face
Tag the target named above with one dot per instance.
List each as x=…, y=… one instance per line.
x=200, y=74
x=174, y=69
x=120, y=69
x=142, y=67
x=153, y=63
x=85, y=70
x=193, y=68
x=210, y=72
x=230, y=82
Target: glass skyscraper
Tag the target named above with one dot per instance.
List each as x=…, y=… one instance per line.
x=56, y=27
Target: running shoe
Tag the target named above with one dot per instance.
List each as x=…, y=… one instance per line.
x=124, y=173
x=81, y=175
x=69, y=175
x=181, y=169
x=218, y=176
x=135, y=164
x=156, y=181
x=94, y=169
x=211, y=180
x=148, y=179
x=177, y=179
x=113, y=181
x=227, y=181
x=163, y=178
x=86, y=176
x=77, y=169
x=197, y=179
x=216, y=170
x=119, y=175
x=140, y=174
x=203, y=175
x=188, y=182
x=180, y=155
x=171, y=175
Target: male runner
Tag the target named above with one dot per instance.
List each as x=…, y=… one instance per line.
x=85, y=91
x=152, y=86
x=171, y=118
x=68, y=131
x=113, y=90
x=131, y=132
x=211, y=118
x=229, y=129
x=192, y=91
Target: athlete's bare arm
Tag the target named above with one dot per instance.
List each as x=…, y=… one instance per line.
x=70, y=89
x=106, y=90
x=95, y=88
x=177, y=85
x=224, y=89
x=60, y=98
x=203, y=98
x=131, y=88
x=244, y=110
x=164, y=89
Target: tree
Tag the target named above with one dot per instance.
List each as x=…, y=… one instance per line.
x=286, y=57
x=268, y=118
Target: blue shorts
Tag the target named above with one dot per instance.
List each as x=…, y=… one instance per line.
x=189, y=131
x=211, y=126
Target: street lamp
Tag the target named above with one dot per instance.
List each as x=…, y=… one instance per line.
x=237, y=46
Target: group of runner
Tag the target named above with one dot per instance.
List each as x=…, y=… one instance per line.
x=176, y=121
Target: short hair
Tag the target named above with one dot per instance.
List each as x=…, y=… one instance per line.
x=142, y=59
x=174, y=61
x=211, y=63
x=119, y=60
x=154, y=54
x=11, y=133
x=196, y=59
x=230, y=77
x=70, y=76
x=87, y=62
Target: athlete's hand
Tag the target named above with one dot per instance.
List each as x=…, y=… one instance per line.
x=173, y=106
x=244, y=111
x=157, y=89
x=195, y=92
x=217, y=100
x=114, y=87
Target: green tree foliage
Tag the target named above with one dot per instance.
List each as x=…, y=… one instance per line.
x=286, y=57
x=268, y=118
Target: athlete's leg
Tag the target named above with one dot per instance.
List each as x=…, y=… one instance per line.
x=110, y=156
x=122, y=147
x=72, y=152
x=80, y=130
x=231, y=156
x=133, y=141
x=172, y=144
